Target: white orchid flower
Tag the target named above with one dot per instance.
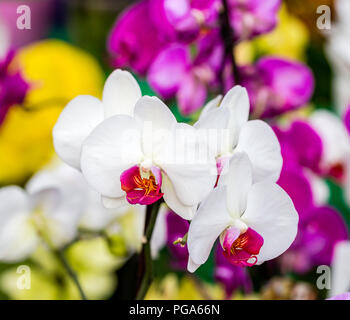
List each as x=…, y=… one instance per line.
x=237, y=134
x=40, y=213
x=94, y=216
x=146, y=157
x=255, y=222
x=84, y=113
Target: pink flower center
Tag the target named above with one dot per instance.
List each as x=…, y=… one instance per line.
x=242, y=249
x=141, y=190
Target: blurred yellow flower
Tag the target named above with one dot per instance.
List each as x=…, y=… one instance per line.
x=289, y=39
x=57, y=72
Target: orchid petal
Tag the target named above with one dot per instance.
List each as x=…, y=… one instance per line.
x=113, y=147
x=211, y=219
x=237, y=101
x=271, y=213
x=258, y=140
x=120, y=94
x=75, y=123
x=171, y=199
x=239, y=181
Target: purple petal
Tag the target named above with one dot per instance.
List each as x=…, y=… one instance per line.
x=134, y=41
x=191, y=95
x=231, y=277
x=168, y=70
x=294, y=182
x=177, y=228
x=347, y=119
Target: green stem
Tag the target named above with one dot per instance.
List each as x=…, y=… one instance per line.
x=146, y=258
x=71, y=273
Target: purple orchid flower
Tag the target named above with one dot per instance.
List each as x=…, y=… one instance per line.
x=250, y=18
x=134, y=41
x=13, y=87
x=174, y=73
x=230, y=276
x=306, y=154
x=176, y=229
x=321, y=227
x=320, y=230
x=277, y=85
x=183, y=20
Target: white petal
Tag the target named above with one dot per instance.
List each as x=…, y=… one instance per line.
x=258, y=140
x=18, y=239
x=239, y=181
x=171, y=199
x=191, y=266
x=159, y=236
x=75, y=123
x=211, y=219
x=59, y=191
x=156, y=121
x=113, y=147
x=237, y=101
x=210, y=106
x=335, y=138
x=214, y=119
x=214, y=128
x=271, y=213
x=120, y=94
x=13, y=201
x=189, y=165
x=112, y=203
x=152, y=109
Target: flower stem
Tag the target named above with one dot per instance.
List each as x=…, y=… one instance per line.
x=145, y=264
x=71, y=273
x=227, y=34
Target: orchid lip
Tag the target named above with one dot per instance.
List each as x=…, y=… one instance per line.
x=142, y=186
x=241, y=247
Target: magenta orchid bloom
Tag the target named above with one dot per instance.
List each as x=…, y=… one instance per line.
x=13, y=87
x=177, y=229
x=250, y=18
x=277, y=85
x=321, y=227
x=230, y=276
x=189, y=78
x=183, y=20
x=134, y=41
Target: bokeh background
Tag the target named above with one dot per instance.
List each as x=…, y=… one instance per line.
x=68, y=52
